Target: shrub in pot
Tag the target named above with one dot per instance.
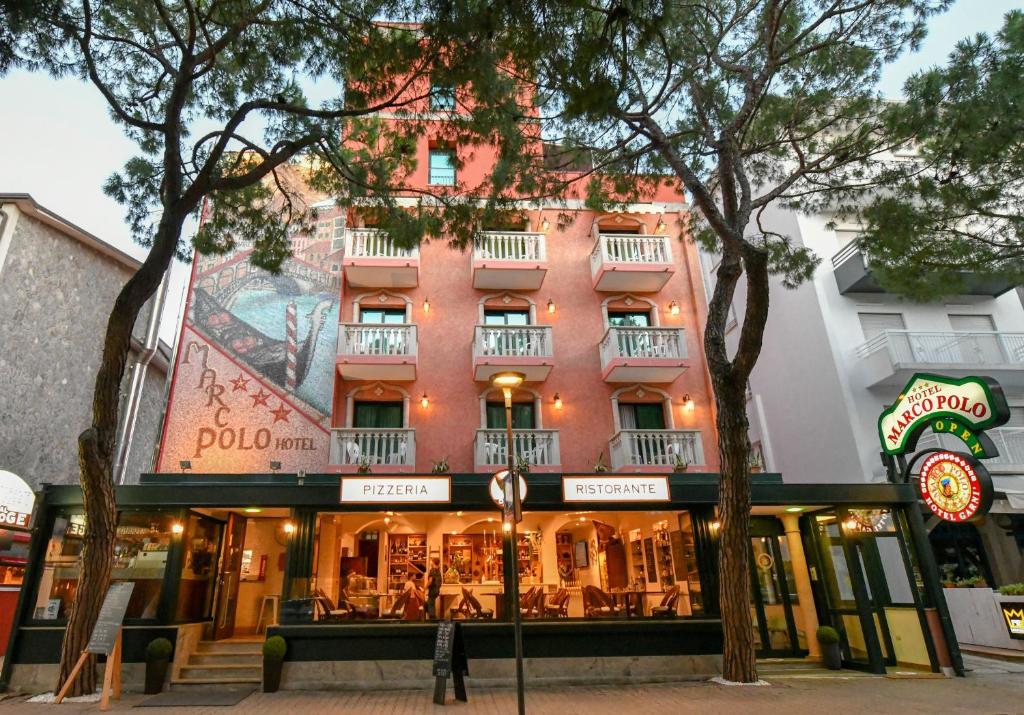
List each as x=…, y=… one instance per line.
x=158, y=658
x=828, y=638
x=274, y=649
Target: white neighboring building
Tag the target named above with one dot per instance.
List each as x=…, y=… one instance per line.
x=837, y=350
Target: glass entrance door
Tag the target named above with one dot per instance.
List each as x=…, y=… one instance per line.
x=773, y=594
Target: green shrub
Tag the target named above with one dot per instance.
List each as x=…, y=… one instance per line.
x=158, y=649
x=274, y=648
x=1012, y=589
x=827, y=635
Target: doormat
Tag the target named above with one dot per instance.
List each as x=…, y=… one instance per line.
x=197, y=697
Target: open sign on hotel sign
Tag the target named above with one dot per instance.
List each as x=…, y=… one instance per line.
x=16, y=501
x=977, y=403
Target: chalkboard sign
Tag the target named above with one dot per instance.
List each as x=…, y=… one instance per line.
x=108, y=623
x=449, y=661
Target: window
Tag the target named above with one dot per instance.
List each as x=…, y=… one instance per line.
x=442, y=96
x=642, y=416
x=633, y=319
x=874, y=324
x=378, y=415
x=523, y=416
x=13, y=556
x=506, y=317
x=442, y=167
x=201, y=541
x=382, y=316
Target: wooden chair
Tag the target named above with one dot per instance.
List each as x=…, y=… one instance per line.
x=533, y=604
x=558, y=607
x=598, y=604
x=477, y=610
x=667, y=607
x=397, y=608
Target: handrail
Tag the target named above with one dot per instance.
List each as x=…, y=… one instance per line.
x=374, y=243
x=845, y=253
x=513, y=341
x=641, y=342
x=1008, y=440
x=356, y=446
x=376, y=339
x=509, y=246
x=663, y=448
x=538, y=447
x=638, y=249
x=950, y=347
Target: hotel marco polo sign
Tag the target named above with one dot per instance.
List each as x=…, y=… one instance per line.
x=954, y=485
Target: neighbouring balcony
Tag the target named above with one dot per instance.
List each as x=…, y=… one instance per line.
x=528, y=349
x=853, y=275
x=394, y=450
x=628, y=263
x=372, y=260
x=376, y=352
x=1008, y=440
x=539, y=447
x=643, y=354
x=509, y=260
x=658, y=450
x=890, y=358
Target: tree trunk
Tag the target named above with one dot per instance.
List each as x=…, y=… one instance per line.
x=96, y=455
x=738, y=658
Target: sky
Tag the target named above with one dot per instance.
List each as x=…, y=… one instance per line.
x=60, y=145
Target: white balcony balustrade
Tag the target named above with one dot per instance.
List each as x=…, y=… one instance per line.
x=891, y=357
x=509, y=260
x=526, y=348
x=643, y=354
x=631, y=262
x=1008, y=440
x=539, y=447
x=636, y=449
x=369, y=351
x=373, y=260
x=393, y=449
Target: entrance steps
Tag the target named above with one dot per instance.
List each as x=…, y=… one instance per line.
x=223, y=662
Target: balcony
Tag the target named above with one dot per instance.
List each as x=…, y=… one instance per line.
x=539, y=447
x=643, y=354
x=393, y=450
x=509, y=260
x=372, y=260
x=528, y=349
x=628, y=263
x=853, y=275
x=376, y=352
x=890, y=358
x=654, y=450
x=1008, y=440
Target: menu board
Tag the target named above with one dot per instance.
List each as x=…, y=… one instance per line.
x=449, y=661
x=108, y=623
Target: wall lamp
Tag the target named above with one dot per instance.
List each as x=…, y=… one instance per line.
x=673, y=308
x=289, y=528
x=424, y=401
x=558, y=402
x=185, y=465
x=426, y=305
x=551, y=306
x=688, y=402
x=275, y=467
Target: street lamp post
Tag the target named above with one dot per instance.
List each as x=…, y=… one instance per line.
x=507, y=381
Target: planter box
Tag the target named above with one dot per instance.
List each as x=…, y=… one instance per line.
x=978, y=617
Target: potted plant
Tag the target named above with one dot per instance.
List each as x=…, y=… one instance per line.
x=754, y=461
x=522, y=465
x=599, y=465
x=440, y=466
x=679, y=463
x=828, y=639
x=1012, y=589
x=364, y=466
x=274, y=649
x=158, y=658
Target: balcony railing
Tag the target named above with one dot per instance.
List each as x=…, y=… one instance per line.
x=523, y=341
x=625, y=342
x=509, y=246
x=387, y=447
x=374, y=243
x=377, y=340
x=630, y=248
x=1008, y=440
x=948, y=348
x=539, y=447
x=655, y=448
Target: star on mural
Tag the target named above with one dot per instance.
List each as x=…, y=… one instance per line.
x=260, y=398
x=240, y=383
x=280, y=414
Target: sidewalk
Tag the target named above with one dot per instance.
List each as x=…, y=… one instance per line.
x=991, y=688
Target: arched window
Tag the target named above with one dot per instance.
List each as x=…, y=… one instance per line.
x=526, y=409
x=639, y=407
x=382, y=308
x=507, y=309
x=629, y=311
x=377, y=406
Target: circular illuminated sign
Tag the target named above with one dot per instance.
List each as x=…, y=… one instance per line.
x=956, y=487
x=16, y=501
x=497, y=488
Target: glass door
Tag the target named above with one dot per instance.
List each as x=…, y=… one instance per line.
x=773, y=594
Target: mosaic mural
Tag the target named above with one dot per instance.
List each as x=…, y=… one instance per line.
x=254, y=375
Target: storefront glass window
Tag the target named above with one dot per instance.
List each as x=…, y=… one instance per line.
x=891, y=559
x=13, y=556
x=571, y=565
x=201, y=542
x=140, y=555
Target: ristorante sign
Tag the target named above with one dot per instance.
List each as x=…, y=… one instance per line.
x=971, y=403
x=395, y=490
x=615, y=488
